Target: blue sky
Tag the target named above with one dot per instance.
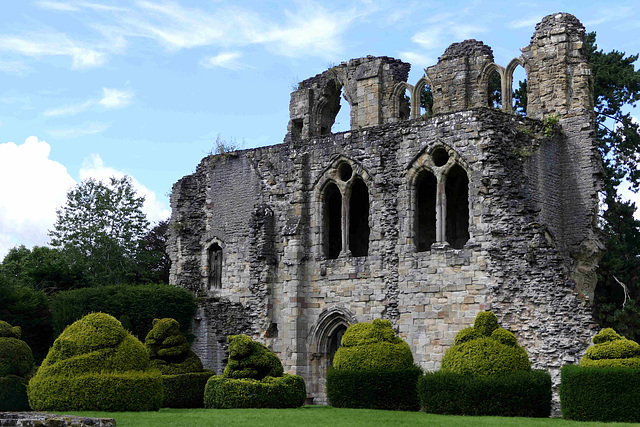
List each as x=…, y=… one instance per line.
x=143, y=88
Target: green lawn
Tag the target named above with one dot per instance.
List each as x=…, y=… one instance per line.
x=317, y=416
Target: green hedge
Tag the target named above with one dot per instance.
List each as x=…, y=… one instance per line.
x=185, y=390
x=513, y=394
x=394, y=389
x=600, y=394
x=287, y=391
x=13, y=393
x=138, y=304
x=128, y=391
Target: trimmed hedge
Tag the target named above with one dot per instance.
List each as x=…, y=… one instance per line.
x=391, y=389
x=136, y=305
x=611, y=350
x=513, y=394
x=16, y=365
x=287, y=391
x=251, y=359
x=95, y=364
x=169, y=349
x=185, y=390
x=600, y=394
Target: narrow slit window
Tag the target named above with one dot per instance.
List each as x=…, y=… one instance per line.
x=457, y=192
x=332, y=221
x=215, y=266
x=359, y=219
x=425, y=216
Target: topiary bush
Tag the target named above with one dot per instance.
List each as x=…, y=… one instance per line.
x=16, y=365
x=486, y=372
x=373, y=369
x=96, y=365
x=485, y=349
x=253, y=378
x=611, y=350
x=605, y=385
x=183, y=377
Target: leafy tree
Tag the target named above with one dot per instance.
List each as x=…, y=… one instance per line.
x=153, y=262
x=101, y=225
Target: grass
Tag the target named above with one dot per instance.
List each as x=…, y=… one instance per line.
x=318, y=416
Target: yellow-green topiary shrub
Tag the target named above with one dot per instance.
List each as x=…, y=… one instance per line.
x=16, y=365
x=96, y=365
x=372, y=345
x=253, y=378
x=183, y=377
x=373, y=368
x=611, y=350
x=485, y=349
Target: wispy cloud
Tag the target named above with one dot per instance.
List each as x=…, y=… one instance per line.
x=227, y=60
x=112, y=98
x=612, y=13
x=75, y=132
x=528, y=23
x=13, y=67
x=53, y=44
x=76, y=6
x=417, y=59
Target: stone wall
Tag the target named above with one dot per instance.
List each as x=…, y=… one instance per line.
x=284, y=218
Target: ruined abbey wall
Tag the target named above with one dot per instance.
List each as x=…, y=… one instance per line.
x=424, y=221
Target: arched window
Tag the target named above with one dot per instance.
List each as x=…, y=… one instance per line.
x=457, y=192
x=334, y=341
x=214, y=256
x=425, y=218
x=332, y=221
x=359, y=219
x=441, y=209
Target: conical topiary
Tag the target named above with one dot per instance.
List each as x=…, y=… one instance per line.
x=16, y=365
x=95, y=364
x=485, y=349
x=183, y=377
x=611, y=349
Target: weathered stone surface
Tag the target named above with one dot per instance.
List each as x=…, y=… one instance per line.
x=531, y=242
x=43, y=419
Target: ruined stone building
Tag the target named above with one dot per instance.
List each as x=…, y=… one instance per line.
x=422, y=220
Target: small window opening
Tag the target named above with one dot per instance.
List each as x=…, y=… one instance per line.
x=519, y=90
x=404, y=105
x=342, y=121
x=215, y=266
x=359, y=219
x=440, y=157
x=335, y=341
x=426, y=102
x=332, y=221
x=296, y=129
x=457, y=192
x=425, y=218
x=494, y=91
x=345, y=171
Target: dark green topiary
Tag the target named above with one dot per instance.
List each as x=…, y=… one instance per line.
x=485, y=349
x=253, y=378
x=373, y=369
x=250, y=359
x=95, y=364
x=372, y=346
x=16, y=365
x=611, y=350
x=183, y=377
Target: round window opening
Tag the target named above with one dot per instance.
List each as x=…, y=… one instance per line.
x=440, y=157
x=345, y=171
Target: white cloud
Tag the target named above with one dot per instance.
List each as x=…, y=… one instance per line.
x=114, y=98
x=429, y=39
x=69, y=133
x=225, y=60
x=76, y=6
x=612, y=13
x=94, y=167
x=57, y=5
x=54, y=44
x=34, y=187
x=417, y=59
x=68, y=110
x=463, y=32
x=13, y=67
x=528, y=23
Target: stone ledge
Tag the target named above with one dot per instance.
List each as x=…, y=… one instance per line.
x=43, y=419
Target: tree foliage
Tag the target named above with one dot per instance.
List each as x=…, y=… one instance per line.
x=101, y=225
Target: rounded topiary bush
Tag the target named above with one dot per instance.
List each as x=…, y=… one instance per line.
x=253, y=378
x=183, y=377
x=373, y=368
x=485, y=349
x=611, y=350
x=95, y=364
x=16, y=365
